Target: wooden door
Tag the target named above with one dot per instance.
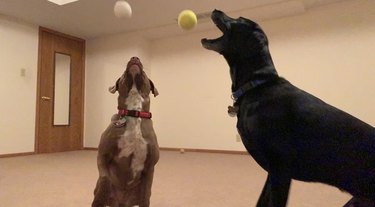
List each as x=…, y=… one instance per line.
x=53, y=133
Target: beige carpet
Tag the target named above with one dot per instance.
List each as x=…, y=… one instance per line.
x=181, y=180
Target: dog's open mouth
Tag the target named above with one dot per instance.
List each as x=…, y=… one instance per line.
x=222, y=21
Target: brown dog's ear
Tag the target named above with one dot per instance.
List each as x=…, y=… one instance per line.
x=153, y=89
x=114, y=88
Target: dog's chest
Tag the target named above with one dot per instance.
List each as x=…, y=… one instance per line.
x=132, y=152
x=248, y=109
x=249, y=130
x=132, y=141
x=247, y=127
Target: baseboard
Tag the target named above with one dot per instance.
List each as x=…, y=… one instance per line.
x=90, y=148
x=161, y=148
x=16, y=154
x=182, y=150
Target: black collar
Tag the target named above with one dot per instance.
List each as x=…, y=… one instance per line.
x=251, y=85
x=248, y=86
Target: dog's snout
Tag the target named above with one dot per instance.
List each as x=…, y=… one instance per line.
x=216, y=13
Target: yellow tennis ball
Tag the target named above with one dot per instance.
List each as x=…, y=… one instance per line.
x=187, y=19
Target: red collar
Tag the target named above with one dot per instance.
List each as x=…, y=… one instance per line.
x=133, y=113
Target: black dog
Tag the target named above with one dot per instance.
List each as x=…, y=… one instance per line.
x=290, y=133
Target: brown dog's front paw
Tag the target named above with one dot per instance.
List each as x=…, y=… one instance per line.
x=102, y=192
x=232, y=110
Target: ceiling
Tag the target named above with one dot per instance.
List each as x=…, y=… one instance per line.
x=151, y=18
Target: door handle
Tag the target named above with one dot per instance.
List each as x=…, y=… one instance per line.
x=46, y=98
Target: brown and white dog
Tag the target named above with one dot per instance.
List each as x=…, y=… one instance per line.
x=128, y=149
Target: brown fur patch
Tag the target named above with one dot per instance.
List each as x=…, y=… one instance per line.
x=126, y=82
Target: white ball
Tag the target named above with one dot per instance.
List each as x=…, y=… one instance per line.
x=122, y=9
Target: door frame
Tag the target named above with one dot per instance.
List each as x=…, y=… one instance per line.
x=39, y=75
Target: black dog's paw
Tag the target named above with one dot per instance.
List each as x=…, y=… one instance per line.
x=232, y=111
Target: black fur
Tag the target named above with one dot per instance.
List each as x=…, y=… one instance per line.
x=289, y=132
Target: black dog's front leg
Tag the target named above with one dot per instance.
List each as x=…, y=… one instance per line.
x=275, y=191
x=360, y=202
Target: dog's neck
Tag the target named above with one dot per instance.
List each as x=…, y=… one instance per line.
x=255, y=68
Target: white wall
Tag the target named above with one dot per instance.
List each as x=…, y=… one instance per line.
x=327, y=51
x=194, y=87
x=18, y=49
x=105, y=62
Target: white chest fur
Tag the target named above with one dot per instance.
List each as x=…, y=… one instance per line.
x=132, y=142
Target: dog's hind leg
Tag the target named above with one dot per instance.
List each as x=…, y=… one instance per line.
x=275, y=191
x=360, y=202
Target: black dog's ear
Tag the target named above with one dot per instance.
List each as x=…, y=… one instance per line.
x=153, y=89
x=114, y=88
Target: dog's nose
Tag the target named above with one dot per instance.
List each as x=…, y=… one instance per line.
x=217, y=14
x=216, y=11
